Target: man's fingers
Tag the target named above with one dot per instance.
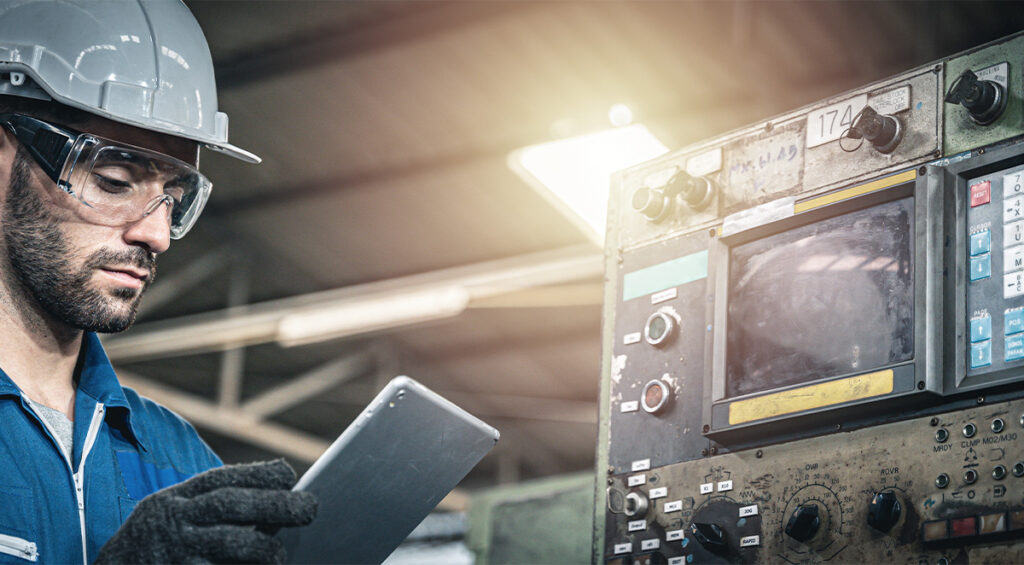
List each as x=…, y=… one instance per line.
x=256, y=507
x=233, y=544
x=275, y=474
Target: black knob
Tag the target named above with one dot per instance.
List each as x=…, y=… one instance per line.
x=696, y=191
x=710, y=536
x=884, y=132
x=984, y=100
x=651, y=203
x=804, y=523
x=884, y=511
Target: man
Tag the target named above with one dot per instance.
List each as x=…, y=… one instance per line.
x=103, y=109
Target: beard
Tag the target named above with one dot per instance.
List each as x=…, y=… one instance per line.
x=40, y=258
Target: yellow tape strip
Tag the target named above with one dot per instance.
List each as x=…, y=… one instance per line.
x=865, y=188
x=810, y=397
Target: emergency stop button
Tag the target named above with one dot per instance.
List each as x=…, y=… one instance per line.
x=981, y=193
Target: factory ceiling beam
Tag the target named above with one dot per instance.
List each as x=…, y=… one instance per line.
x=355, y=310
x=318, y=47
x=309, y=384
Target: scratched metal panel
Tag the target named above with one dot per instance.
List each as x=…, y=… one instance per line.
x=763, y=166
x=962, y=133
x=828, y=164
x=839, y=474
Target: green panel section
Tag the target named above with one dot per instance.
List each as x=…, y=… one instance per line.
x=665, y=275
x=961, y=133
x=545, y=521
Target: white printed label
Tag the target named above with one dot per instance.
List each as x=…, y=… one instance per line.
x=649, y=544
x=637, y=525
x=829, y=123
x=724, y=486
x=674, y=506
x=665, y=295
x=707, y=488
x=1013, y=285
x=750, y=541
x=1013, y=184
x=759, y=215
x=636, y=480
x=748, y=511
x=995, y=73
x=676, y=560
x=891, y=102
x=1013, y=234
x=660, y=492
x=705, y=163
x=623, y=548
x=641, y=465
x=631, y=406
x=673, y=535
x=660, y=178
x=630, y=339
x=1013, y=259
x=1013, y=209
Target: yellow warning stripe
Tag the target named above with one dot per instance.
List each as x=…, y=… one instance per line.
x=811, y=397
x=865, y=188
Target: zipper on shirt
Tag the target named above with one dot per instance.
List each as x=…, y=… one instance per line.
x=79, y=476
x=18, y=547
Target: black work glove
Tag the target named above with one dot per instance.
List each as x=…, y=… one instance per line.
x=225, y=515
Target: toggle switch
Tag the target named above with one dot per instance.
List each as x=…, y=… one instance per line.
x=984, y=100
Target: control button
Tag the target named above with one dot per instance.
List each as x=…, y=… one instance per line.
x=981, y=267
x=937, y=530
x=1013, y=321
x=992, y=523
x=696, y=191
x=660, y=328
x=969, y=430
x=997, y=426
x=1013, y=285
x=981, y=242
x=884, y=511
x=657, y=397
x=970, y=476
x=1018, y=469
x=883, y=131
x=941, y=435
x=1015, y=347
x=999, y=472
x=651, y=203
x=636, y=505
x=963, y=527
x=984, y=100
x=942, y=481
x=1013, y=234
x=981, y=329
x=981, y=193
x=1013, y=184
x=981, y=354
x=710, y=536
x=1013, y=259
x=1013, y=209
x=803, y=523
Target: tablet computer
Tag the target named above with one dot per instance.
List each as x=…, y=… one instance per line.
x=405, y=452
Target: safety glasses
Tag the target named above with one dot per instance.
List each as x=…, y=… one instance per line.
x=119, y=183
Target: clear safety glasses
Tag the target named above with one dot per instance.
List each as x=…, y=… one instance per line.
x=120, y=183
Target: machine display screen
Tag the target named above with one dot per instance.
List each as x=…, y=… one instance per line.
x=826, y=299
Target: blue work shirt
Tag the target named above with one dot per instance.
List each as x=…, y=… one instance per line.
x=125, y=447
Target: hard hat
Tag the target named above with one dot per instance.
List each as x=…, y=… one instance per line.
x=142, y=62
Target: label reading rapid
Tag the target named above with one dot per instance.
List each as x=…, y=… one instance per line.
x=995, y=279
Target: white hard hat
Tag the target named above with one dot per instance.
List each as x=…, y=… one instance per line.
x=141, y=62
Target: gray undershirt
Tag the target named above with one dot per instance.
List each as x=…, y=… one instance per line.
x=59, y=424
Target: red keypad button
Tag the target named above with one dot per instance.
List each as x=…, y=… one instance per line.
x=981, y=193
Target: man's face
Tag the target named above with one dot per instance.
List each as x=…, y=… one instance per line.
x=85, y=275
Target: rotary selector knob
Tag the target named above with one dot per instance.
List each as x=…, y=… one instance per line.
x=661, y=328
x=884, y=511
x=984, y=100
x=636, y=505
x=804, y=523
x=695, y=191
x=883, y=131
x=652, y=203
x=709, y=536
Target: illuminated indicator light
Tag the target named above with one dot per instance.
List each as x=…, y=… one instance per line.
x=992, y=523
x=935, y=531
x=941, y=435
x=981, y=193
x=998, y=425
x=942, y=481
x=970, y=476
x=999, y=472
x=963, y=527
x=1016, y=520
x=653, y=396
x=969, y=430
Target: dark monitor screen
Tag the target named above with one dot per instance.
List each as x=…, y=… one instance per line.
x=821, y=300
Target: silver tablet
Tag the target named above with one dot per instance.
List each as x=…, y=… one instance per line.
x=384, y=474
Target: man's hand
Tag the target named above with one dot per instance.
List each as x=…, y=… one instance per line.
x=211, y=518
